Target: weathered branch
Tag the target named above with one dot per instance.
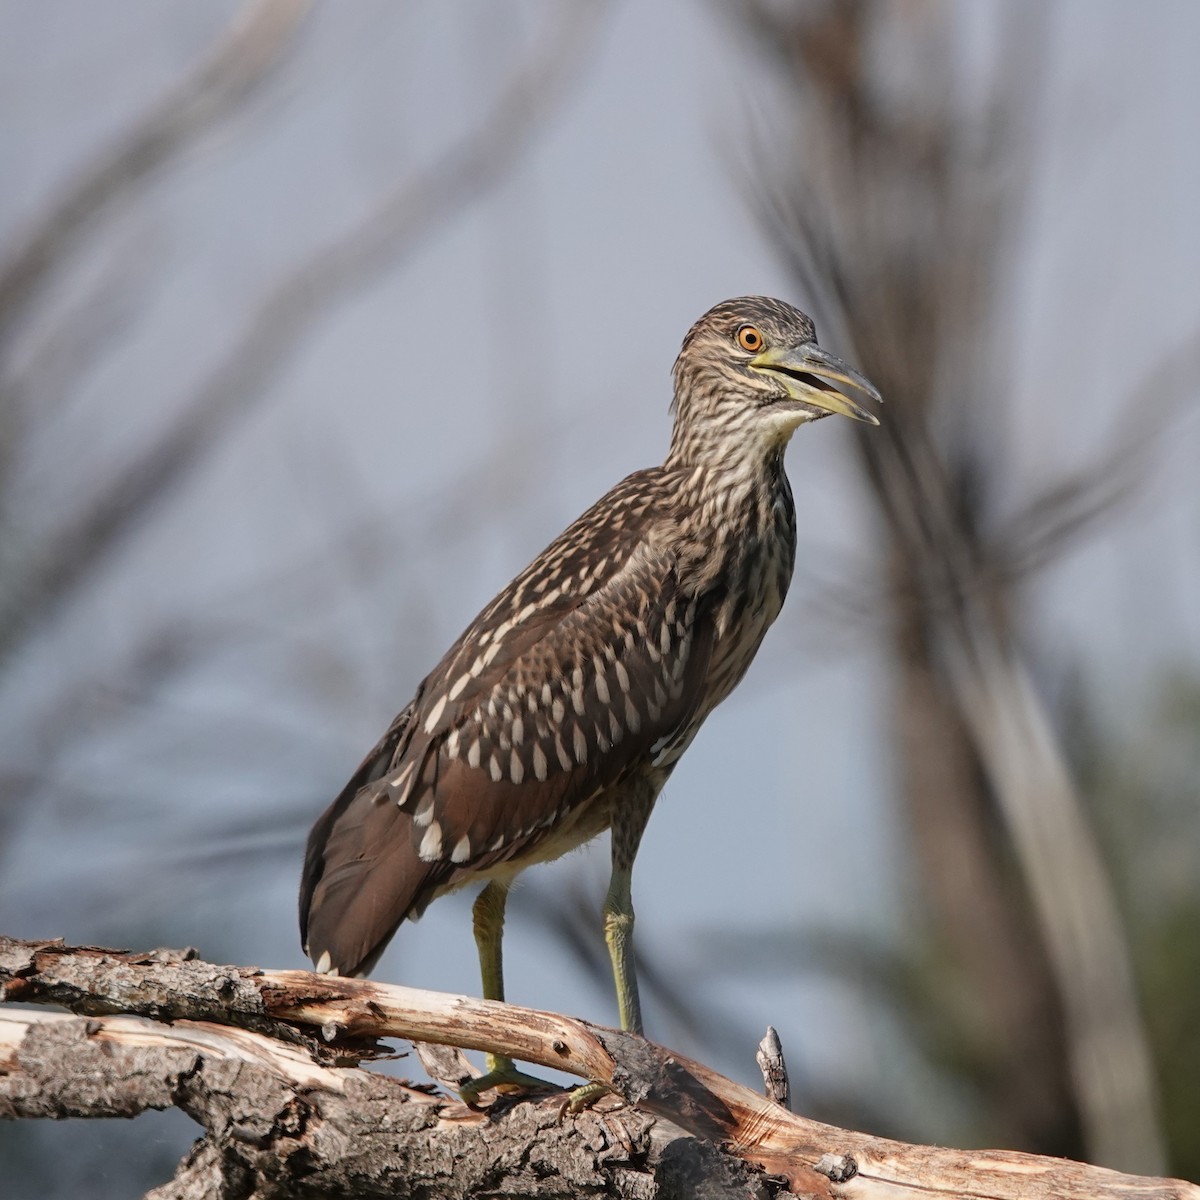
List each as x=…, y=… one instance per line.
x=278, y=1115
x=298, y=1129
x=769, y=1057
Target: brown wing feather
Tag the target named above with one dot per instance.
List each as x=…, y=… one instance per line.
x=574, y=674
x=355, y=862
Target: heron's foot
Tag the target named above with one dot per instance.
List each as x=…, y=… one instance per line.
x=503, y=1078
x=582, y=1098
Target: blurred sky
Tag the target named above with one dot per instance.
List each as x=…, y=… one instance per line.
x=470, y=403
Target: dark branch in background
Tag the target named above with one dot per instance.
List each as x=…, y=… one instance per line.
x=404, y=218
x=1071, y=506
x=897, y=208
x=216, y=87
x=231, y=1053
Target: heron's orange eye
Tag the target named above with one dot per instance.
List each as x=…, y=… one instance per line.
x=750, y=339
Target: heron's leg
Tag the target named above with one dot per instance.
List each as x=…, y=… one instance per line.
x=618, y=933
x=488, y=919
x=488, y=914
x=628, y=825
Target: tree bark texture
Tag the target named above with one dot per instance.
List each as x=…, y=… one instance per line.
x=268, y=1063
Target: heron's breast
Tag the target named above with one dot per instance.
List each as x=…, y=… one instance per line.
x=757, y=576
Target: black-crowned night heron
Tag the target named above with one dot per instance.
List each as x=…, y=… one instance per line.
x=564, y=707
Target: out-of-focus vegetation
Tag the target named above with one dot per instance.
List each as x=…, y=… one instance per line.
x=1144, y=783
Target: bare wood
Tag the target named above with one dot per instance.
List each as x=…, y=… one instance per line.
x=447, y=1065
x=769, y=1056
x=816, y=1159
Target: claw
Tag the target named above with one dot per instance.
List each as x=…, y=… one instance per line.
x=504, y=1079
x=581, y=1098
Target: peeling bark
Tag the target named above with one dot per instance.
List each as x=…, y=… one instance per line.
x=277, y=1126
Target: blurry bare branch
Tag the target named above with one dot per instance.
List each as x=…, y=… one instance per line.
x=896, y=208
x=92, y=321
x=1068, y=884
x=254, y=42
x=1071, y=505
x=404, y=218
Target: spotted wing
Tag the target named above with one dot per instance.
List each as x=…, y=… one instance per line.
x=585, y=666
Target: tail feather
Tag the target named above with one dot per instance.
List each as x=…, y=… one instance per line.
x=362, y=874
x=362, y=879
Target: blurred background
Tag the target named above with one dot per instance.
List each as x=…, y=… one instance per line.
x=318, y=322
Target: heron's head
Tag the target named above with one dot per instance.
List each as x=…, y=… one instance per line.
x=750, y=373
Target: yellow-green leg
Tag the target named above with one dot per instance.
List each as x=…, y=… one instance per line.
x=629, y=822
x=618, y=933
x=502, y=1074
x=630, y=815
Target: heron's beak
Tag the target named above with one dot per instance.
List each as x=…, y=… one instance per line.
x=819, y=379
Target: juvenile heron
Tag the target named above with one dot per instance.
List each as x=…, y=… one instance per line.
x=564, y=707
